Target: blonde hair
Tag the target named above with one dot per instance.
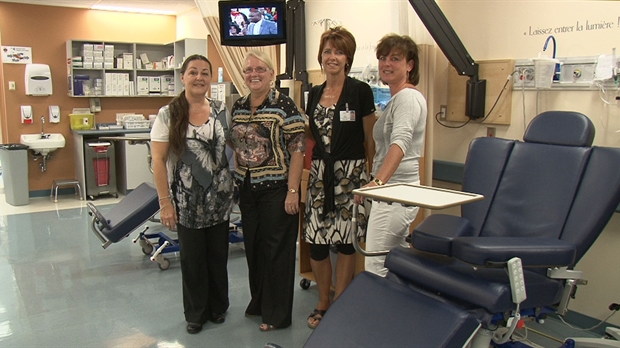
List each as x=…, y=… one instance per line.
x=260, y=55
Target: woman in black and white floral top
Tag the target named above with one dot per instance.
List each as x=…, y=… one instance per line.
x=195, y=190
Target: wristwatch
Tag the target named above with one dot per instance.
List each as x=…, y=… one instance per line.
x=378, y=181
x=292, y=190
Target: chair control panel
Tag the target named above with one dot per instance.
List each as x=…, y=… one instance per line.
x=517, y=281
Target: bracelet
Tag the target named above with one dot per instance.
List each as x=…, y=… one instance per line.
x=165, y=205
x=164, y=197
x=292, y=190
x=378, y=182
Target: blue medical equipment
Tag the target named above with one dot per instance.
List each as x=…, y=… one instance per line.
x=468, y=281
x=132, y=212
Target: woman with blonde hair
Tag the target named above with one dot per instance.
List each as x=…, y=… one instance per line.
x=268, y=139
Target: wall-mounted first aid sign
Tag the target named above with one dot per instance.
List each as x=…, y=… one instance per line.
x=16, y=55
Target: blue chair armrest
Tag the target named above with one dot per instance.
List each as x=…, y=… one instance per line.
x=534, y=252
x=436, y=232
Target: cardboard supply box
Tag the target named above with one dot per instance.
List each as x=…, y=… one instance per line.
x=154, y=84
x=167, y=84
x=128, y=61
x=145, y=58
x=142, y=85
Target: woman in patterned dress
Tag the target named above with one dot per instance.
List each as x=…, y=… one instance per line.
x=341, y=115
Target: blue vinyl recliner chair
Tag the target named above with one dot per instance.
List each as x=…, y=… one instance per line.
x=547, y=198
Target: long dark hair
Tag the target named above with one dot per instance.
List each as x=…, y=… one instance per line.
x=179, y=112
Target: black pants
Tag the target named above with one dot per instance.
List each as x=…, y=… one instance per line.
x=269, y=236
x=204, y=269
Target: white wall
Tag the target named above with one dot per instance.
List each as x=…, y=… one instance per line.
x=191, y=25
x=503, y=29
x=368, y=20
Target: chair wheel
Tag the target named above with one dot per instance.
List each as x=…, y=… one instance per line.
x=147, y=250
x=164, y=265
x=305, y=284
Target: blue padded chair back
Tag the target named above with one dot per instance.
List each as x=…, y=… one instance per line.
x=535, y=194
x=484, y=167
x=583, y=227
x=533, y=183
x=560, y=128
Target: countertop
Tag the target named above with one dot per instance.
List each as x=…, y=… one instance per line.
x=100, y=132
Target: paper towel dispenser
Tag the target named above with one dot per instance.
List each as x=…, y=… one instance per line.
x=38, y=80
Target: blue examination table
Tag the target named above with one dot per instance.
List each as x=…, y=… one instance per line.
x=132, y=212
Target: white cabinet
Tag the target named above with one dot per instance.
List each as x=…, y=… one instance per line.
x=126, y=69
x=132, y=163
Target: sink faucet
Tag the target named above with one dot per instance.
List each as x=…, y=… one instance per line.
x=42, y=124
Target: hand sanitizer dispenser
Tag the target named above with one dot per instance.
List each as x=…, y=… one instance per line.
x=38, y=80
x=54, y=114
x=26, y=113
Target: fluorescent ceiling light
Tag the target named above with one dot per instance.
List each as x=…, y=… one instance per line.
x=131, y=9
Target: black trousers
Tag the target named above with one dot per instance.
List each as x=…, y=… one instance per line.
x=270, y=235
x=204, y=269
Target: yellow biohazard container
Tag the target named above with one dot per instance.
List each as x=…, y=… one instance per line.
x=82, y=121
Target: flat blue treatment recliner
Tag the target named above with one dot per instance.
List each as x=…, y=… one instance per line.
x=547, y=199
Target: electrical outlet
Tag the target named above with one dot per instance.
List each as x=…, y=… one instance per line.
x=11, y=85
x=524, y=77
x=443, y=112
x=491, y=132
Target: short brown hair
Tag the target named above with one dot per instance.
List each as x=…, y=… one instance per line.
x=341, y=39
x=403, y=45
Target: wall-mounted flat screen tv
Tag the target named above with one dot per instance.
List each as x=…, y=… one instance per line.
x=252, y=23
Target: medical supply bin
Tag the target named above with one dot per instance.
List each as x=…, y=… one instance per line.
x=100, y=168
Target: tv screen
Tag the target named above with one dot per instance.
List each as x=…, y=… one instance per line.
x=252, y=23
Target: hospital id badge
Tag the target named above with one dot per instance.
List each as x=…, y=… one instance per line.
x=347, y=116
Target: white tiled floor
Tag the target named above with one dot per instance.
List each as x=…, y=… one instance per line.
x=47, y=203
x=59, y=288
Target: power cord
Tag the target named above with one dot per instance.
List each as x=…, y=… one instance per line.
x=487, y=115
x=448, y=126
x=498, y=97
x=614, y=307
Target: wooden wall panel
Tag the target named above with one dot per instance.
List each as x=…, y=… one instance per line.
x=496, y=73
